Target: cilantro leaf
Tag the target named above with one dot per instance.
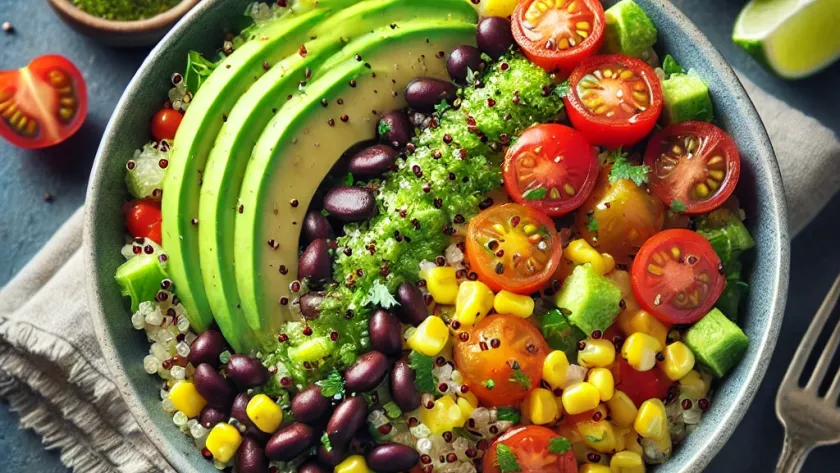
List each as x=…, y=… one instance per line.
x=520, y=377
x=506, y=459
x=442, y=107
x=591, y=223
x=622, y=168
x=489, y=384
x=348, y=179
x=559, y=445
x=332, y=385
x=383, y=128
x=486, y=58
x=670, y=66
x=535, y=194
x=423, y=365
x=563, y=89
x=380, y=296
x=678, y=206
x=325, y=441
x=470, y=76
x=508, y=414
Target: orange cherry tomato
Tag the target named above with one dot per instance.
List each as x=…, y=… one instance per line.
x=143, y=219
x=165, y=124
x=530, y=447
x=502, y=359
x=513, y=247
x=42, y=104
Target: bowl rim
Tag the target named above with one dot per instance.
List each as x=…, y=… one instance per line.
x=708, y=447
x=161, y=20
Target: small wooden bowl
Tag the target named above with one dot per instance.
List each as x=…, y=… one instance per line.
x=121, y=33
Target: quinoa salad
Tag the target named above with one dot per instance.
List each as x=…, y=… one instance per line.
x=446, y=236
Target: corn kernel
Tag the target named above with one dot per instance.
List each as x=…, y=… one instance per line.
x=631, y=442
x=640, y=351
x=627, y=462
x=466, y=408
x=695, y=385
x=442, y=284
x=186, y=398
x=609, y=262
x=580, y=252
x=603, y=380
x=630, y=322
x=474, y=301
x=514, y=304
x=430, y=337
x=555, y=366
x=651, y=421
x=598, y=353
x=444, y=415
x=580, y=397
x=469, y=397
x=599, y=436
x=265, y=413
x=353, y=464
x=679, y=361
x=223, y=441
x=540, y=407
x=622, y=409
x=593, y=468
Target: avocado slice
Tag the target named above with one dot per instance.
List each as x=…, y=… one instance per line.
x=227, y=161
x=589, y=300
x=629, y=30
x=299, y=147
x=717, y=342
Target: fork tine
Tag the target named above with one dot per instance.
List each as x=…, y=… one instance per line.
x=834, y=391
x=824, y=361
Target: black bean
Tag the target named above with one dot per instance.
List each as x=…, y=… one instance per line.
x=463, y=58
x=392, y=458
x=206, y=348
x=366, y=372
x=290, y=442
x=311, y=407
x=315, y=263
x=385, y=332
x=312, y=466
x=350, y=203
x=372, y=161
x=246, y=371
x=399, y=129
x=316, y=226
x=403, y=387
x=412, y=309
x=347, y=419
x=238, y=411
x=250, y=457
x=494, y=36
x=425, y=93
x=212, y=386
x=211, y=416
x=332, y=457
x=310, y=305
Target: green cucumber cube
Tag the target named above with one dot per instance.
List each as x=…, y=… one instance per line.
x=686, y=98
x=629, y=30
x=140, y=278
x=589, y=300
x=717, y=342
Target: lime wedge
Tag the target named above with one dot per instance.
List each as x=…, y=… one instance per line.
x=794, y=38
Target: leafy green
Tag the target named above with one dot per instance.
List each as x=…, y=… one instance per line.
x=349, y=180
x=535, y=194
x=489, y=384
x=325, y=441
x=423, y=365
x=383, y=128
x=520, y=377
x=392, y=410
x=332, y=385
x=471, y=75
x=591, y=223
x=442, y=107
x=563, y=89
x=560, y=334
x=559, y=445
x=730, y=238
x=622, y=168
x=678, y=206
x=506, y=459
x=380, y=296
x=508, y=414
x=198, y=70
x=670, y=66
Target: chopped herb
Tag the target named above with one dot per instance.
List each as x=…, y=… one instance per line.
x=348, y=179
x=392, y=410
x=591, y=223
x=333, y=385
x=520, y=377
x=384, y=128
x=486, y=58
x=489, y=384
x=678, y=206
x=442, y=107
x=559, y=445
x=224, y=357
x=325, y=213
x=670, y=66
x=535, y=194
x=508, y=414
x=325, y=441
x=198, y=70
x=506, y=459
x=563, y=89
x=470, y=76
x=380, y=296
x=622, y=168
x=593, y=438
x=423, y=365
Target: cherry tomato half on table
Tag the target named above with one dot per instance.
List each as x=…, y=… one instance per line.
x=551, y=168
x=530, y=449
x=513, y=247
x=640, y=385
x=694, y=163
x=558, y=35
x=42, y=104
x=677, y=276
x=143, y=219
x=165, y=123
x=615, y=100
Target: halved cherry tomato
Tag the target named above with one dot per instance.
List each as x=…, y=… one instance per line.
x=640, y=385
x=165, y=123
x=695, y=163
x=143, y=219
x=677, y=276
x=42, y=104
x=513, y=247
x=551, y=168
x=614, y=100
x=502, y=359
x=530, y=446
x=558, y=35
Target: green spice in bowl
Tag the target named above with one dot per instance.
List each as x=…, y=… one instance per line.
x=125, y=10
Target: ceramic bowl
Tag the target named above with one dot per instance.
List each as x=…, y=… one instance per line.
x=760, y=192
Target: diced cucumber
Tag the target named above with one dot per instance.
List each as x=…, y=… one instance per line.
x=311, y=350
x=629, y=30
x=686, y=98
x=140, y=278
x=589, y=300
x=717, y=342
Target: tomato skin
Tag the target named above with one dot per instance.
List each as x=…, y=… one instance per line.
x=578, y=168
x=658, y=295
x=530, y=445
x=614, y=132
x=143, y=219
x=51, y=99
x=673, y=185
x=640, y=385
x=165, y=124
x=564, y=60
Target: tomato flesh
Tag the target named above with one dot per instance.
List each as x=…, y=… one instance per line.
x=513, y=247
x=143, y=219
x=640, y=385
x=677, y=276
x=165, y=124
x=551, y=168
x=42, y=104
x=695, y=163
x=498, y=347
x=530, y=445
x=614, y=100
x=559, y=34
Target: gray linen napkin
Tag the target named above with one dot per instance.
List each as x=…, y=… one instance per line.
x=53, y=373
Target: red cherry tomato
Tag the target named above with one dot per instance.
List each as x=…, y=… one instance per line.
x=640, y=385
x=42, y=104
x=614, y=100
x=530, y=447
x=558, y=35
x=694, y=163
x=677, y=276
x=165, y=123
x=551, y=168
x=143, y=219
x=513, y=247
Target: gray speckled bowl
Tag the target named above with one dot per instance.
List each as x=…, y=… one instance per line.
x=760, y=191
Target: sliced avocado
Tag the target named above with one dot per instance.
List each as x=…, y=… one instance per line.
x=686, y=98
x=560, y=334
x=717, y=342
x=139, y=278
x=300, y=145
x=629, y=30
x=589, y=300
x=235, y=143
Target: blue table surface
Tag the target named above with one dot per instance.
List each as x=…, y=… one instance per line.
x=28, y=220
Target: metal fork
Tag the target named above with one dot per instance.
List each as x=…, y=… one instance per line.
x=810, y=421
